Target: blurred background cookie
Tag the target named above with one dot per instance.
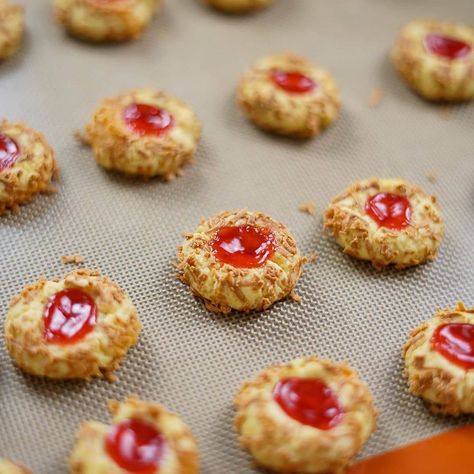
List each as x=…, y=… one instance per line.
x=11, y=28
x=144, y=132
x=9, y=467
x=144, y=438
x=436, y=59
x=288, y=95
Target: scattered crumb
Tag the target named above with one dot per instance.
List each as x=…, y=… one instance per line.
x=295, y=297
x=376, y=97
x=75, y=259
x=80, y=137
x=51, y=189
x=110, y=377
x=308, y=207
x=444, y=113
x=312, y=258
x=431, y=178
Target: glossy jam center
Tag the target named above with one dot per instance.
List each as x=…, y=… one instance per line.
x=69, y=316
x=9, y=152
x=389, y=210
x=446, y=46
x=455, y=341
x=309, y=401
x=243, y=246
x=135, y=446
x=145, y=119
x=294, y=82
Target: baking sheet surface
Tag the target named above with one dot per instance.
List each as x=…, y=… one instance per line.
x=190, y=360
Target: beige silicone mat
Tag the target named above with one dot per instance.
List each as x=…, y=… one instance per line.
x=187, y=358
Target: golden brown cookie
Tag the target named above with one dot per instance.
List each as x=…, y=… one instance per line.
x=386, y=221
x=9, y=467
x=439, y=361
x=12, y=25
x=144, y=132
x=166, y=445
x=79, y=326
x=436, y=59
x=27, y=165
x=238, y=6
x=240, y=260
x=105, y=20
x=307, y=416
x=288, y=95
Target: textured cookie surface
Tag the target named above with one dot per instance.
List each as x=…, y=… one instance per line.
x=118, y=147
x=362, y=237
x=437, y=71
x=180, y=453
x=281, y=443
x=27, y=165
x=104, y=21
x=96, y=354
x=447, y=387
x=225, y=287
x=9, y=467
x=11, y=28
x=238, y=6
x=301, y=111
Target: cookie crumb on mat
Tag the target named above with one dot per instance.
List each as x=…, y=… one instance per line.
x=431, y=178
x=376, y=97
x=81, y=137
x=312, y=258
x=307, y=207
x=444, y=113
x=295, y=297
x=75, y=259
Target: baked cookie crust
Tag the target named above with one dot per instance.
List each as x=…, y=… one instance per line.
x=432, y=76
x=446, y=388
x=238, y=6
x=224, y=287
x=97, y=354
x=12, y=25
x=98, y=21
x=118, y=148
x=9, y=467
x=33, y=170
x=282, y=444
x=89, y=456
x=278, y=111
x=361, y=237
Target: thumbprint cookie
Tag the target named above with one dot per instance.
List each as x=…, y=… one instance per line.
x=144, y=132
x=307, y=416
x=144, y=438
x=240, y=260
x=436, y=59
x=27, y=165
x=439, y=361
x=287, y=95
x=238, y=6
x=80, y=326
x=8, y=467
x=386, y=221
x=11, y=28
x=105, y=20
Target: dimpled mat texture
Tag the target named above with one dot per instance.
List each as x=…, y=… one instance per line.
x=187, y=358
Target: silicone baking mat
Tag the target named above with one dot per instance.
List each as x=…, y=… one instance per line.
x=187, y=358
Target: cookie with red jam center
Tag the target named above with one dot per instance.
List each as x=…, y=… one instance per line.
x=12, y=28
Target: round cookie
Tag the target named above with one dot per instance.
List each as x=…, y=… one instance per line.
x=238, y=6
x=439, y=361
x=105, y=20
x=287, y=95
x=144, y=132
x=80, y=326
x=27, y=165
x=386, y=221
x=11, y=28
x=240, y=260
x=9, y=467
x=166, y=444
x=307, y=416
x=436, y=59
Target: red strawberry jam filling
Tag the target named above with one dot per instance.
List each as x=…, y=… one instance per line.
x=309, y=401
x=69, y=316
x=447, y=46
x=389, y=210
x=455, y=341
x=9, y=152
x=144, y=119
x=136, y=446
x=293, y=82
x=244, y=246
